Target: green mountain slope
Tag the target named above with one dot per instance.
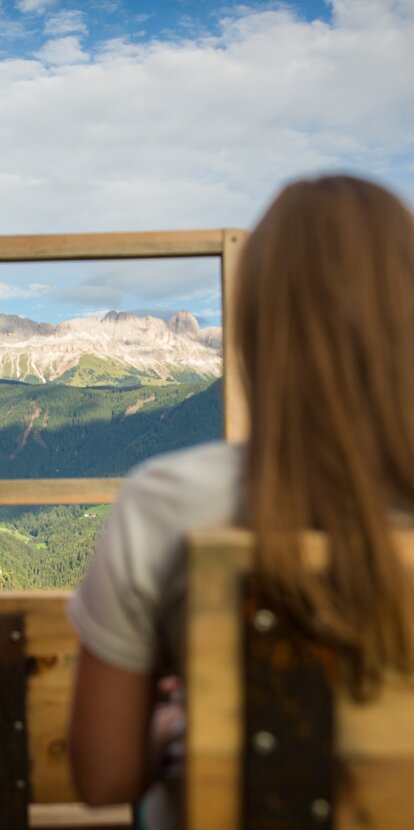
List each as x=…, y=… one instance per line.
x=58, y=431
x=46, y=547
x=53, y=431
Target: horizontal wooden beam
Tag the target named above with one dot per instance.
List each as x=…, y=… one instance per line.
x=71, y=816
x=59, y=491
x=130, y=245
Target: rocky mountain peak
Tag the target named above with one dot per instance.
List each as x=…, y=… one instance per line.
x=12, y=324
x=118, y=317
x=183, y=322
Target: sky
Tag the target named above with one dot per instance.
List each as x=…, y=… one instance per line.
x=121, y=115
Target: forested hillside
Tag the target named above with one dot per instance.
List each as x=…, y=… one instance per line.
x=59, y=431
x=46, y=547
x=53, y=431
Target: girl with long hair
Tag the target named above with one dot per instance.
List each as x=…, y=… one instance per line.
x=325, y=334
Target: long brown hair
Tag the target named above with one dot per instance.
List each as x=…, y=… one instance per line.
x=325, y=329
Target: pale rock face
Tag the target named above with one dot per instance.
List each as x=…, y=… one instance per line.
x=212, y=336
x=184, y=323
x=147, y=344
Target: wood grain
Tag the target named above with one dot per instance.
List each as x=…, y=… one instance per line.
x=71, y=816
x=130, y=245
x=59, y=491
x=51, y=649
x=236, y=426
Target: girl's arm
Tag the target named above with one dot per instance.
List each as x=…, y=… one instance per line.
x=109, y=732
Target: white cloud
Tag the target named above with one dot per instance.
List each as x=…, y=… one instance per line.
x=141, y=18
x=201, y=132
x=65, y=22
x=62, y=51
x=38, y=6
x=95, y=312
x=14, y=292
x=11, y=29
x=113, y=283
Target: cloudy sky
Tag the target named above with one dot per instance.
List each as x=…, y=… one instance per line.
x=157, y=114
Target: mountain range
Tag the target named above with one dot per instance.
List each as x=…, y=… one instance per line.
x=119, y=349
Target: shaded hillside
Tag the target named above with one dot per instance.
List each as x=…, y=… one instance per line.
x=58, y=431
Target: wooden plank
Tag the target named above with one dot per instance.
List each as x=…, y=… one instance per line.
x=212, y=793
x=131, y=245
x=236, y=426
x=377, y=795
x=214, y=684
x=48, y=713
x=383, y=729
x=70, y=816
x=47, y=628
x=59, y=491
x=51, y=651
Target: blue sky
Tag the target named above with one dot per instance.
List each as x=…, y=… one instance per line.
x=121, y=115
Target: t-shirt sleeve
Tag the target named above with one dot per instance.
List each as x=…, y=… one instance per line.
x=115, y=608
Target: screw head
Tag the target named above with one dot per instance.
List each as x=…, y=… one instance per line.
x=20, y=784
x=264, y=620
x=320, y=809
x=18, y=725
x=15, y=635
x=264, y=742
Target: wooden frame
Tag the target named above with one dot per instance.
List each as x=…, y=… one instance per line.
x=226, y=244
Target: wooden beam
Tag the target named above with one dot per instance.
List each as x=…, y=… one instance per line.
x=76, y=816
x=59, y=491
x=131, y=245
x=71, y=816
x=236, y=427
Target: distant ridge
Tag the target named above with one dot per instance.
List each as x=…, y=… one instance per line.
x=119, y=349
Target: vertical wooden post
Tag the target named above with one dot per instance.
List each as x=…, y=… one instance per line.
x=14, y=784
x=214, y=681
x=235, y=410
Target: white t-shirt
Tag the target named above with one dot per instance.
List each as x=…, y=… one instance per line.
x=128, y=609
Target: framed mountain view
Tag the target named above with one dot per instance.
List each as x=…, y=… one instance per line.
x=132, y=367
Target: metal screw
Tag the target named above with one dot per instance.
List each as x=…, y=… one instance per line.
x=320, y=809
x=15, y=635
x=264, y=620
x=20, y=784
x=264, y=742
x=18, y=725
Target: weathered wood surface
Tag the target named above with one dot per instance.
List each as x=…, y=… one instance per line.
x=236, y=424
x=59, y=491
x=130, y=245
x=76, y=816
x=50, y=649
x=374, y=743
